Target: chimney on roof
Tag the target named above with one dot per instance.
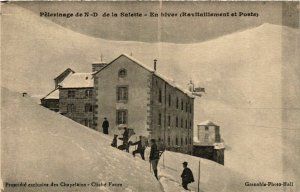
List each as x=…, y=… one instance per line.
x=155, y=60
x=98, y=66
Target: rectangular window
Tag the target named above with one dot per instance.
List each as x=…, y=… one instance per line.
x=121, y=117
x=177, y=103
x=186, y=124
x=181, y=123
x=122, y=93
x=186, y=107
x=159, y=119
x=70, y=108
x=87, y=122
x=182, y=104
x=159, y=96
x=71, y=94
x=88, y=107
x=89, y=93
x=169, y=99
x=176, y=122
x=169, y=120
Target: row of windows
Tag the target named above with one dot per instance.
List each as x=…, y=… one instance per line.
x=122, y=95
x=186, y=124
x=87, y=108
x=87, y=122
x=187, y=108
x=182, y=142
x=88, y=93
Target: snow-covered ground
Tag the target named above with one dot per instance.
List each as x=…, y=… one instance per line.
x=41, y=146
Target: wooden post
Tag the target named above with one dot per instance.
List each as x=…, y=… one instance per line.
x=163, y=160
x=199, y=177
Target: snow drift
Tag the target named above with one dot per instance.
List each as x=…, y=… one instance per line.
x=41, y=146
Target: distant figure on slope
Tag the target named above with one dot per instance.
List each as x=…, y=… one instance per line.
x=105, y=126
x=141, y=144
x=125, y=135
x=154, y=157
x=187, y=176
x=115, y=141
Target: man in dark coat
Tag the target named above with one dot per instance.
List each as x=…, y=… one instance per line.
x=154, y=157
x=187, y=176
x=105, y=126
x=140, y=148
x=125, y=135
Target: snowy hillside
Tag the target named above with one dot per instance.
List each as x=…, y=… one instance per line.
x=40, y=146
x=251, y=79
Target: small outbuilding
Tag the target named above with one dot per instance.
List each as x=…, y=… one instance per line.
x=207, y=142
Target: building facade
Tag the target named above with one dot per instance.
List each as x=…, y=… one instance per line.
x=76, y=98
x=128, y=92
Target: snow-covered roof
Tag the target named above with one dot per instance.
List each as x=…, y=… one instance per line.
x=61, y=74
x=52, y=95
x=169, y=81
x=78, y=80
x=207, y=123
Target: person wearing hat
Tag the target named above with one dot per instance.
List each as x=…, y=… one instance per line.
x=187, y=176
x=154, y=157
x=105, y=126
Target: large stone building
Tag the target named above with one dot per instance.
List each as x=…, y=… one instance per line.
x=128, y=92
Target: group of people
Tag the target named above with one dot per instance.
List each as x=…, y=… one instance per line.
x=187, y=175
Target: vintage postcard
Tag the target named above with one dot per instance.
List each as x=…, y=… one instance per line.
x=150, y=96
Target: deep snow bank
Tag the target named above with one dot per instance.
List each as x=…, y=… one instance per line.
x=40, y=146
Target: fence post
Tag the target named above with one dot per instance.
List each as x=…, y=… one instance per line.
x=199, y=177
x=163, y=160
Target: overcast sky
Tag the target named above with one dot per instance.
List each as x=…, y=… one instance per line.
x=177, y=30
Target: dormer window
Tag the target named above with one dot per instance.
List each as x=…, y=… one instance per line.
x=122, y=73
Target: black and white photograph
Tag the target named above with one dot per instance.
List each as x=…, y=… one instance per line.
x=150, y=96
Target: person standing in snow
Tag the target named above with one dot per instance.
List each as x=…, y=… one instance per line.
x=154, y=157
x=187, y=176
x=125, y=135
x=105, y=126
x=115, y=141
x=140, y=148
x=125, y=139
